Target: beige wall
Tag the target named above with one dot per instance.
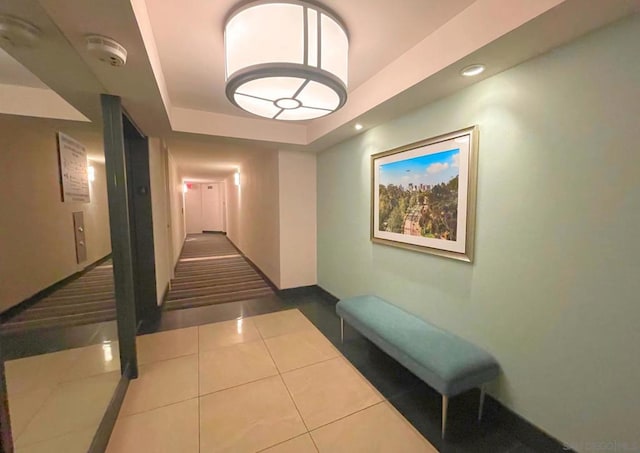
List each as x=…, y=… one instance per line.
x=37, y=245
x=297, y=202
x=253, y=221
x=160, y=208
x=193, y=209
x=176, y=207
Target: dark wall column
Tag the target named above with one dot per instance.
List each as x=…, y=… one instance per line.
x=121, y=246
x=6, y=438
x=141, y=218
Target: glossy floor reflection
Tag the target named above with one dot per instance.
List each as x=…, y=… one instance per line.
x=57, y=400
x=269, y=382
x=418, y=403
x=499, y=431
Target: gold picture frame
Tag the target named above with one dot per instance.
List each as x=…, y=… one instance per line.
x=423, y=195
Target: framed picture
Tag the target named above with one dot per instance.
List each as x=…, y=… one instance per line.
x=424, y=195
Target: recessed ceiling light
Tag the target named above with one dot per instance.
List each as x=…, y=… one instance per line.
x=358, y=126
x=472, y=70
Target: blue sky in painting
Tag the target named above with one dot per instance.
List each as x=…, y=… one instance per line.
x=430, y=169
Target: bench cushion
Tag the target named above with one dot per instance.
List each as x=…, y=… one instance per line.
x=443, y=360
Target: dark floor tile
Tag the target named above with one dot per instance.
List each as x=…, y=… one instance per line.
x=388, y=376
x=265, y=305
x=422, y=406
x=107, y=331
x=37, y=342
x=189, y=317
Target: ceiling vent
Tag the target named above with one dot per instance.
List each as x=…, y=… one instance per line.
x=107, y=50
x=15, y=32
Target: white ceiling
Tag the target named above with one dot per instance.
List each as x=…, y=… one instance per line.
x=193, y=61
x=22, y=93
x=403, y=54
x=203, y=159
x=13, y=73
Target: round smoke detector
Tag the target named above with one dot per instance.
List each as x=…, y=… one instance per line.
x=17, y=33
x=107, y=50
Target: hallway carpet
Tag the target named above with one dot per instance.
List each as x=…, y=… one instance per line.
x=85, y=300
x=211, y=271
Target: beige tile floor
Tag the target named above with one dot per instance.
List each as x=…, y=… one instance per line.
x=57, y=400
x=270, y=383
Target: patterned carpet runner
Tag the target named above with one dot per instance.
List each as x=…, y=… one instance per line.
x=85, y=300
x=210, y=271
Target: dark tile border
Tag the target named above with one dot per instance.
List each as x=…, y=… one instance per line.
x=525, y=432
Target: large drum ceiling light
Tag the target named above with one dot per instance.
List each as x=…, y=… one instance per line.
x=286, y=60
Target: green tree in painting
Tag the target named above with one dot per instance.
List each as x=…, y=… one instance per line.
x=436, y=206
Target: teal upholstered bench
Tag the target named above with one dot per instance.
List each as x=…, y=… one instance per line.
x=446, y=362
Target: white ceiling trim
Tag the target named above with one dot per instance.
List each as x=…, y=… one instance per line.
x=219, y=124
x=146, y=32
x=476, y=26
x=38, y=102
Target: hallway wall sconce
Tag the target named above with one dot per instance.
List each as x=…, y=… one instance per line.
x=185, y=188
x=236, y=178
x=91, y=173
x=299, y=70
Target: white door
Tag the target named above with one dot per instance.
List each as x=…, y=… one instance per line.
x=212, y=207
x=193, y=209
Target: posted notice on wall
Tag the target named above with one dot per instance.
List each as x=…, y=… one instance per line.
x=74, y=174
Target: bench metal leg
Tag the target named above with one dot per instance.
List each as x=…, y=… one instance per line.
x=481, y=402
x=341, y=330
x=445, y=404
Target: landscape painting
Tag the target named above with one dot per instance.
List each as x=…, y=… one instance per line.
x=421, y=195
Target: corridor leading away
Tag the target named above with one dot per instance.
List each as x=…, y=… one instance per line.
x=269, y=383
x=212, y=271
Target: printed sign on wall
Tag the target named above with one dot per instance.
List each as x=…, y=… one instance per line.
x=74, y=175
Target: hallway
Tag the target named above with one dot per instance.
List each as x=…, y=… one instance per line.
x=212, y=271
x=184, y=213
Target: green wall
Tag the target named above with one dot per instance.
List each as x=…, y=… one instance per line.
x=554, y=292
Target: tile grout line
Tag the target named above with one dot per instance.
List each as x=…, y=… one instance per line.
x=291, y=398
x=310, y=364
x=339, y=356
x=348, y=415
x=285, y=441
x=253, y=381
x=40, y=407
x=266, y=377
x=56, y=436
x=157, y=407
x=287, y=389
x=297, y=409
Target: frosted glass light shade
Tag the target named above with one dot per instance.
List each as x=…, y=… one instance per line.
x=286, y=60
